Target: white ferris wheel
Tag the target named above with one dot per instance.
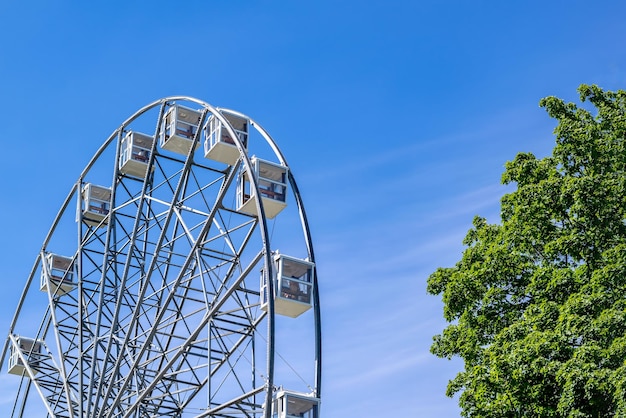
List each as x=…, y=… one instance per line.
x=177, y=280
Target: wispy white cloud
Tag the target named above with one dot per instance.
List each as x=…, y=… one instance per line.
x=384, y=371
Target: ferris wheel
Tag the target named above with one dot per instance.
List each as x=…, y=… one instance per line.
x=178, y=279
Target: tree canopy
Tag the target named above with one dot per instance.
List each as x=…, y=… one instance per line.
x=537, y=304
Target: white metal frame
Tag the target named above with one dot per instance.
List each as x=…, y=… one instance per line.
x=165, y=318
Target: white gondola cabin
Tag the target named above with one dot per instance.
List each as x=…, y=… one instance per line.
x=135, y=154
x=96, y=204
x=57, y=274
x=289, y=404
x=272, y=180
x=179, y=129
x=30, y=349
x=218, y=144
x=293, y=286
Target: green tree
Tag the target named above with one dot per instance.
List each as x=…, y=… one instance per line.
x=537, y=304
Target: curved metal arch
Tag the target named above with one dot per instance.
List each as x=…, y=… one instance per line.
x=309, y=243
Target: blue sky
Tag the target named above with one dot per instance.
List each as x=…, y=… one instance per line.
x=396, y=118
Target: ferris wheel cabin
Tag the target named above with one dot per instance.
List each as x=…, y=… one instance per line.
x=30, y=349
x=272, y=181
x=135, y=154
x=96, y=204
x=57, y=274
x=179, y=129
x=289, y=404
x=293, y=286
x=218, y=144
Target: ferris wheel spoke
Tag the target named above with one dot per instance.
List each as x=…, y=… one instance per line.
x=189, y=340
x=172, y=294
x=55, y=325
x=143, y=288
x=44, y=375
x=230, y=403
x=218, y=358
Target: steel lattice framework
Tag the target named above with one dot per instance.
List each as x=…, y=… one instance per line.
x=163, y=318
